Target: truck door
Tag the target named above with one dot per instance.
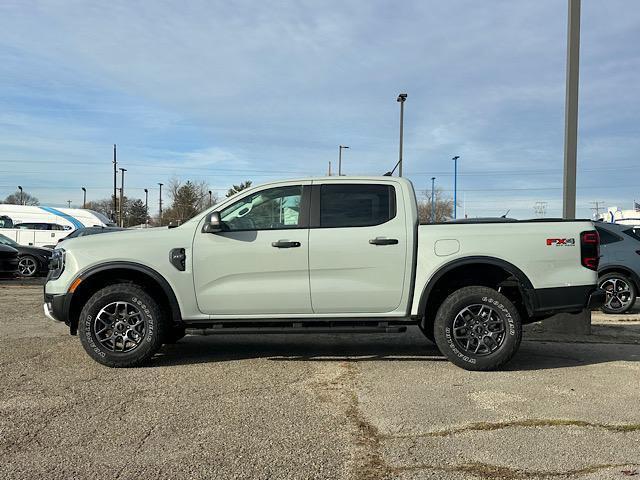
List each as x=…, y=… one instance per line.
x=260, y=264
x=357, y=247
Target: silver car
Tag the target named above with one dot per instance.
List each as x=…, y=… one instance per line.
x=619, y=271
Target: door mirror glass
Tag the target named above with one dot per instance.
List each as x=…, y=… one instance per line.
x=212, y=223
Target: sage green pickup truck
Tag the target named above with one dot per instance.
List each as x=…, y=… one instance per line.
x=323, y=255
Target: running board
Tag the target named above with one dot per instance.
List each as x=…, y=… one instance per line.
x=315, y=327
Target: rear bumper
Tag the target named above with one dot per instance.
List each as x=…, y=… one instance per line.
x=549, y=301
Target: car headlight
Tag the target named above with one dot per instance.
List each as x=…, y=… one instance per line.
x=56, y=264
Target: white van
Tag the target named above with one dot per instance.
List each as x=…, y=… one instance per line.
x=43, y=226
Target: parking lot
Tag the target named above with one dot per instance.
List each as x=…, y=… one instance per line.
x=315, y=407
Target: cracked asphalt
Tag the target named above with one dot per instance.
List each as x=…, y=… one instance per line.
x=315, y=407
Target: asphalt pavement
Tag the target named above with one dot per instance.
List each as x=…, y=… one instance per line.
x=315, y=407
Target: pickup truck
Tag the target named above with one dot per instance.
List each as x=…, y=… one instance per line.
x=323, y=255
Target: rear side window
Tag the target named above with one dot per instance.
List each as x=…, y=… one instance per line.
x=607, y=237
x=356, y=205
x=633, y=232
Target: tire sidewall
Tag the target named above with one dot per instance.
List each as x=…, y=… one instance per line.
x=443, y=328
x=147, y=307
x=632, y=288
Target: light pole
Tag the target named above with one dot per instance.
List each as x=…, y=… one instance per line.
x=146, y=205
x=455, y=186
x=340, y=159
x=122, y=170
x=115, y=175
x=20, y=188
x=160, y=205
x=401, y=99
x=433, y=203
x=84, y=197
x=210, y=198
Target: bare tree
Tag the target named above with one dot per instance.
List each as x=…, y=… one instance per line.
x=27, y=199
x=443, y=207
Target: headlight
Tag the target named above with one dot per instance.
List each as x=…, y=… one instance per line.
x=56, y=264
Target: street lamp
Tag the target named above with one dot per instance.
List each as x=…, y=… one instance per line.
x=160, y=205
x=122, y=170
x=84, y=197
x=455, y=185
x=433, y=203
x=340, y=159
x=20, y=188
x=210, y=198
x=115, y=174
x=401, y=99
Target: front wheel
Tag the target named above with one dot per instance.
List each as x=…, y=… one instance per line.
x=478, y=328
x=121, y=326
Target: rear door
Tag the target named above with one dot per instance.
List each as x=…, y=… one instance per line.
x=357, y=247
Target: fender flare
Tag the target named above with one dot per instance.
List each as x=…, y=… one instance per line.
x=140, y=268
x=526, y=285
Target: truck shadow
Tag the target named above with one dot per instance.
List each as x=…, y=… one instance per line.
x=409, y=347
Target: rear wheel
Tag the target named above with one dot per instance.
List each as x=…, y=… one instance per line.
x=478, y=328
x=28, y=266
x=121, y=326
x=621, y=293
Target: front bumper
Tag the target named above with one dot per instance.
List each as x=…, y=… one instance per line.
x=56, y=307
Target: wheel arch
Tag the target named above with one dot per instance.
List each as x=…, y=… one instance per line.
x=633, y=276
x=476, y=270
x=102, y=275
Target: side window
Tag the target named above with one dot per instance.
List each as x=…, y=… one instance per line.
x=356, y=205
x=271, y=209
x=606, y=237
x=633, y=232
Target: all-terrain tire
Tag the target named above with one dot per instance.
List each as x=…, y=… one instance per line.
x=475, y=303
x=149, y=311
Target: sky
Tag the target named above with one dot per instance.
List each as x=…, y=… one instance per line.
x=230, y=91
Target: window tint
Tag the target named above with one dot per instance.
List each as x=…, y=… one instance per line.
x=607, y=237
x=271, y=209
x=356, y=205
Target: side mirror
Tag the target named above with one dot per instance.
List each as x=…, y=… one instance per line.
x=212, y=223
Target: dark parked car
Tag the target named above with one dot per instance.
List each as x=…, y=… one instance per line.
x=32, y=261
x=8, y=260
x=83, y=232
x=619, y=271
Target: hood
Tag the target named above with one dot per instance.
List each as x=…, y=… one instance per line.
x=41, y=251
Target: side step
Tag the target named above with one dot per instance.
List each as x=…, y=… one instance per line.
x=295, y=327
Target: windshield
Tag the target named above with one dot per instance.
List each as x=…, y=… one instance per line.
x=7, y=241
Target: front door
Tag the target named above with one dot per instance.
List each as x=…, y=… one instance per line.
x=358, y=247
x=260, y=264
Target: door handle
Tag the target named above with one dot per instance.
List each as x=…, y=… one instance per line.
x=285, y=244
x=383, y=241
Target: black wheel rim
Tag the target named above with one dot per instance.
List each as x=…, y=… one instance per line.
x=120, y=327
x=618, y=293
x=479, y=330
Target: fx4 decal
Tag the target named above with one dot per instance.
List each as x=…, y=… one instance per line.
x=561, y=242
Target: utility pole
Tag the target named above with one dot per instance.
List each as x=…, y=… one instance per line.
x=339, y=160
x=146, y=205
x=84, y=197
x=115, y=175
x=329, y=168
x=401, y=98
x=433, y=200
x=122, y=170
x=21, y=196
x=455, y=186
x=160, y=205
x=69, y=203
x=540, y=209
x=596, y=208
x=571, y=111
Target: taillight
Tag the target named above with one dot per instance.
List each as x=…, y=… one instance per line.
x=590, y=249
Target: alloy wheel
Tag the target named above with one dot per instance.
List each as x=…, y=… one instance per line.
x=27, y=266
x=120, y=327
x=479, y=330
x=618, y=292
